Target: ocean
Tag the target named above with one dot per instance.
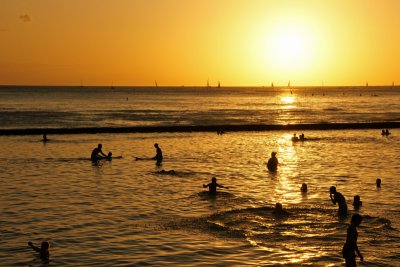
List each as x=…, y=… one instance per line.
x=125, y=213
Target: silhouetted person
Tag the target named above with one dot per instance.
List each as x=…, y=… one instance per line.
x=338, y=198
x=378, y=182
x=95, y=153
x=350, y=247
x=43, y=250
x=158, y=157
x=383, y=132
x=295, y=138
x=357, y=203
x=272, y=163
x=108, y=157
x=212, y=187
x=45, y=139
x=302, y=138
x=279, y=210
x=387, y=132
x=172, y=172
x=303, y=188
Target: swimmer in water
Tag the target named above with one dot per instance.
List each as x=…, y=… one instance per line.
x=357, y=203
x=337, y=197
x=43, y=250
x=350, y=246
x=295, y=138
x=95, y=153
x=272, y=164
x=279, y=210
x=45, y=139
x=172, y=172
x=303, y=188
x=378, y=182
x=212, y=187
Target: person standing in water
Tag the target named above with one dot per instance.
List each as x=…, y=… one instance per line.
x=43, y=250
x=350, y=246
x=158, y=157
x=337, y=197
x=212, y=187
x=95, y=153
x=272, y=164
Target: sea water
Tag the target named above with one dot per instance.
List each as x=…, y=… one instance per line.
x=124, y=213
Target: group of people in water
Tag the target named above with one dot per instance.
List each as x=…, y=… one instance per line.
x=350, y=247
x=385, y=132
x=300, y=138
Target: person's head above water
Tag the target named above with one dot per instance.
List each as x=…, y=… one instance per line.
x=45, y=245
x=273, y=154
x=214, y=180
x=303, y=187
x=356, y=219
x=99, y=146
x=278, y=206
x=155, y=145
x=332, y=190
x=378, y=182
x=109, y=154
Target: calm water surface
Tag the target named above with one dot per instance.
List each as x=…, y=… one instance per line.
x=122, y=213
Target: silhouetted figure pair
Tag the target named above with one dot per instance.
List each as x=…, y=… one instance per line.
x=337, y=197
x=272, y=163
x=385, y=132
x=212, y=187
x=350, y=246
x=95, y=156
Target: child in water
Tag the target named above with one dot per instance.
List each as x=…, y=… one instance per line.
x=212, y=187
x=43, y=250
x=378, y=182
x=350, y=247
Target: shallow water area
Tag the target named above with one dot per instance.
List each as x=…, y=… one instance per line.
x=125, y=213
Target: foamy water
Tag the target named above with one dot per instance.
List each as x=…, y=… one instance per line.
x=123, y=213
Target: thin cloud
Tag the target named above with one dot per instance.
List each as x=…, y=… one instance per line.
x=25, y=18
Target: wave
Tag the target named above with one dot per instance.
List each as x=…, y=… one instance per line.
x=202, y=128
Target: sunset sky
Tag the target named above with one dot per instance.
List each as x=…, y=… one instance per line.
x=187, y=42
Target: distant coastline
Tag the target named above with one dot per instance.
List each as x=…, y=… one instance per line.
x=203, y=128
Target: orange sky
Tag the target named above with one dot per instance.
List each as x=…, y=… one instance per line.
x=187, y=42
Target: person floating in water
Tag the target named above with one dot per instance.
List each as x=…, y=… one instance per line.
x=279, y=211
x=350, y=246
x=272, y=163
x=302, y=138
x=378, y=182
x=45, y=139
x=172, y=172
x=43, y=250
x=303, y=188
x=295, y=138
x=95, y=153
x=212, y=187
x=337, y=197
x=158, y=157
x=357, y=203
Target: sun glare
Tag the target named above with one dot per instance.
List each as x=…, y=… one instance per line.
x=288, y=45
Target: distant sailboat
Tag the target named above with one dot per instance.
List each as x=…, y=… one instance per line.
x=219, y=85
x=208, y=83
x=288, y=85
x=272, y=85
x=156, y=84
